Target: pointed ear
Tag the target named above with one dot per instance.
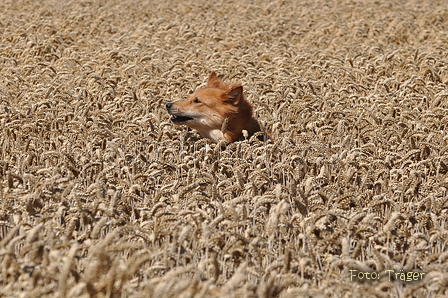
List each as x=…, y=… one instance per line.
x=213, y=80
x=234, y=95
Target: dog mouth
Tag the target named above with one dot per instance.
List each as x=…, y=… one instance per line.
x=180, y=119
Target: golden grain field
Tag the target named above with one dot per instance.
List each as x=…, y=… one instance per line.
x=101, y=196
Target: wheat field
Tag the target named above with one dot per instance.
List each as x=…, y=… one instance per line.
x=101, y=196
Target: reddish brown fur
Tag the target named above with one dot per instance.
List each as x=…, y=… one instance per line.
x=207, y=109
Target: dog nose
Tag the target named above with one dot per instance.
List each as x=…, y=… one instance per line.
x=168, y=105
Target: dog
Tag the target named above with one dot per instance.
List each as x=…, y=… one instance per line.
x=218, y=112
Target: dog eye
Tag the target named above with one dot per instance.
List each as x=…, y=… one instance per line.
x=196, y=100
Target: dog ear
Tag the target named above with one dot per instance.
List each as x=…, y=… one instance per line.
x=234, y=95
x=213, y=80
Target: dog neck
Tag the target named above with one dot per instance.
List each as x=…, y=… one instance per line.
x=214, y=134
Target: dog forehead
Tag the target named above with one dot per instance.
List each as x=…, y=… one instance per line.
x=210, y=93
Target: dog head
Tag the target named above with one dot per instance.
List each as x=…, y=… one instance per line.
x=207, y=108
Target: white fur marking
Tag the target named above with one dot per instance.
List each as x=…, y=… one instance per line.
x=216, y=135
